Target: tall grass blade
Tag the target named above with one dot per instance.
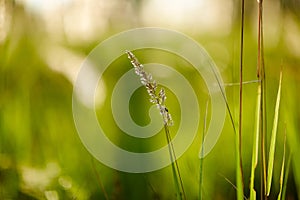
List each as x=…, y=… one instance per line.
x=202, y=151
x=239, y=165
x=225, y=100
x=273, y=139
x=263, y=116
x=282, y=169
x=175, y=169
x=286, y=176
x=255, y=145
x=239, y=175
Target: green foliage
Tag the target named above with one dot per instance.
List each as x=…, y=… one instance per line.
x=41, y=155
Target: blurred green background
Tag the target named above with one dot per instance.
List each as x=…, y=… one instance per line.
x=42, y=45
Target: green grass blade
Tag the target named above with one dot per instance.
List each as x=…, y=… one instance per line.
x=239, y=165
x=201, y=158
x=273, y=140
x=282, y=170
x=255, y=144
x=239, y=175
x=286, y=177
x=180, y=195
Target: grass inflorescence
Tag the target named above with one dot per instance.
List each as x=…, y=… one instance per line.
x=159, y=100
x=261, y=158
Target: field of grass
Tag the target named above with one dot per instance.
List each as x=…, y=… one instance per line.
x=42, y=156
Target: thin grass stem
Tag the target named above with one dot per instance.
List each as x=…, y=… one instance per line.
x=286, y=176
x=281, y=179
x=225, y=100
x=239, y=164
x=262, y=85
x=202, y=152
x=238, y=84
x=159, y=100
x=175, y=168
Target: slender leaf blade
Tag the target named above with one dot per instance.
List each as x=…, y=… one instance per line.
x=255, y=144
x=273, y=140
x=282, y=170
x=201, y=157
x=286, y=176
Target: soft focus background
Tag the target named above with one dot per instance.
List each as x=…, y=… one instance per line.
x=44, y=42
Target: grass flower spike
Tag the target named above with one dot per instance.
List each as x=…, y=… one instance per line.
x=151, y=86
x=159, y=99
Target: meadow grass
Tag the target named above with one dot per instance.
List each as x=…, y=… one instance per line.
x=258, y=135
x=261, y=123
x=36, y=116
